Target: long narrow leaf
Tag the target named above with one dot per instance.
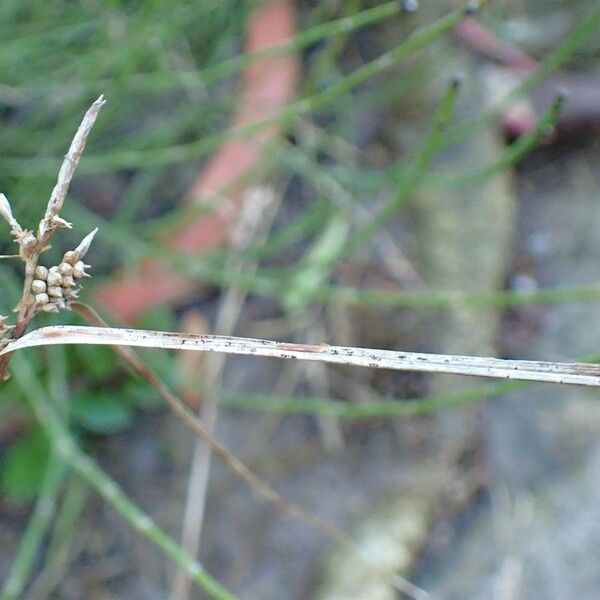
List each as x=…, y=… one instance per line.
x=524, y=370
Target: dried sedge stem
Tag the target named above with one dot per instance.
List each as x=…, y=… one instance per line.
x=586, y=374
x=182, y=410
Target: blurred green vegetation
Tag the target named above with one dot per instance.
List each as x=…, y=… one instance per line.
x=169, y=72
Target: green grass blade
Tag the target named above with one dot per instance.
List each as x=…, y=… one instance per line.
x=414, y=172
x=161, y=156
x=366, y=410
x=67, y=449
x=578, y=36
x=36, y=529
x=513, y=153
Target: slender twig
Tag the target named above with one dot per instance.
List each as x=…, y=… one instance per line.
x=199, y=471
x=477, y=36
x=256, y=218
x=182, y=410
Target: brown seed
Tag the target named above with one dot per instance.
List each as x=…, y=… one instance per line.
x=38, y=286
x=79, y=269
x=68, y=282
x=70, y=257
x=54, y=278
x=65, y=268
x=41, y=272
x=55, y=291
x=49, y=307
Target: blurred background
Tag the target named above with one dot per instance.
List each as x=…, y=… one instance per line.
x=395, y=175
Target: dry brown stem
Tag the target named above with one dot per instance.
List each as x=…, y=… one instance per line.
x=256, y=218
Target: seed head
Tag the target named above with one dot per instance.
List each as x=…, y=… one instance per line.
x=6, y=210
x=6, y=213
x=60, y=222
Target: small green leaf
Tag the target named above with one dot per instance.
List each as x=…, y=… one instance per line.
x=24, y=465
x=101, y=413
x=98, y=362
x=140, y=395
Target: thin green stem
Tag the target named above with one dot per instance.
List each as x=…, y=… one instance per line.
x=578, y=36
x=344, y=25
x=316, y=265
x=415, y=171
x=373, y=409
x=36, y=529
x=161, y=156
x=66, y=448
x=269, y=286
x=234, y=65
x=447, y=299
x=512, y=155
x=367, y=410
x=59, y=550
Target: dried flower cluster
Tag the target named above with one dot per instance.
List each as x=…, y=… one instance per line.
x=49, y=289
x=55, y=287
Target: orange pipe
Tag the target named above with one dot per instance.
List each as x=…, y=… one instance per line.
x=268, y=84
